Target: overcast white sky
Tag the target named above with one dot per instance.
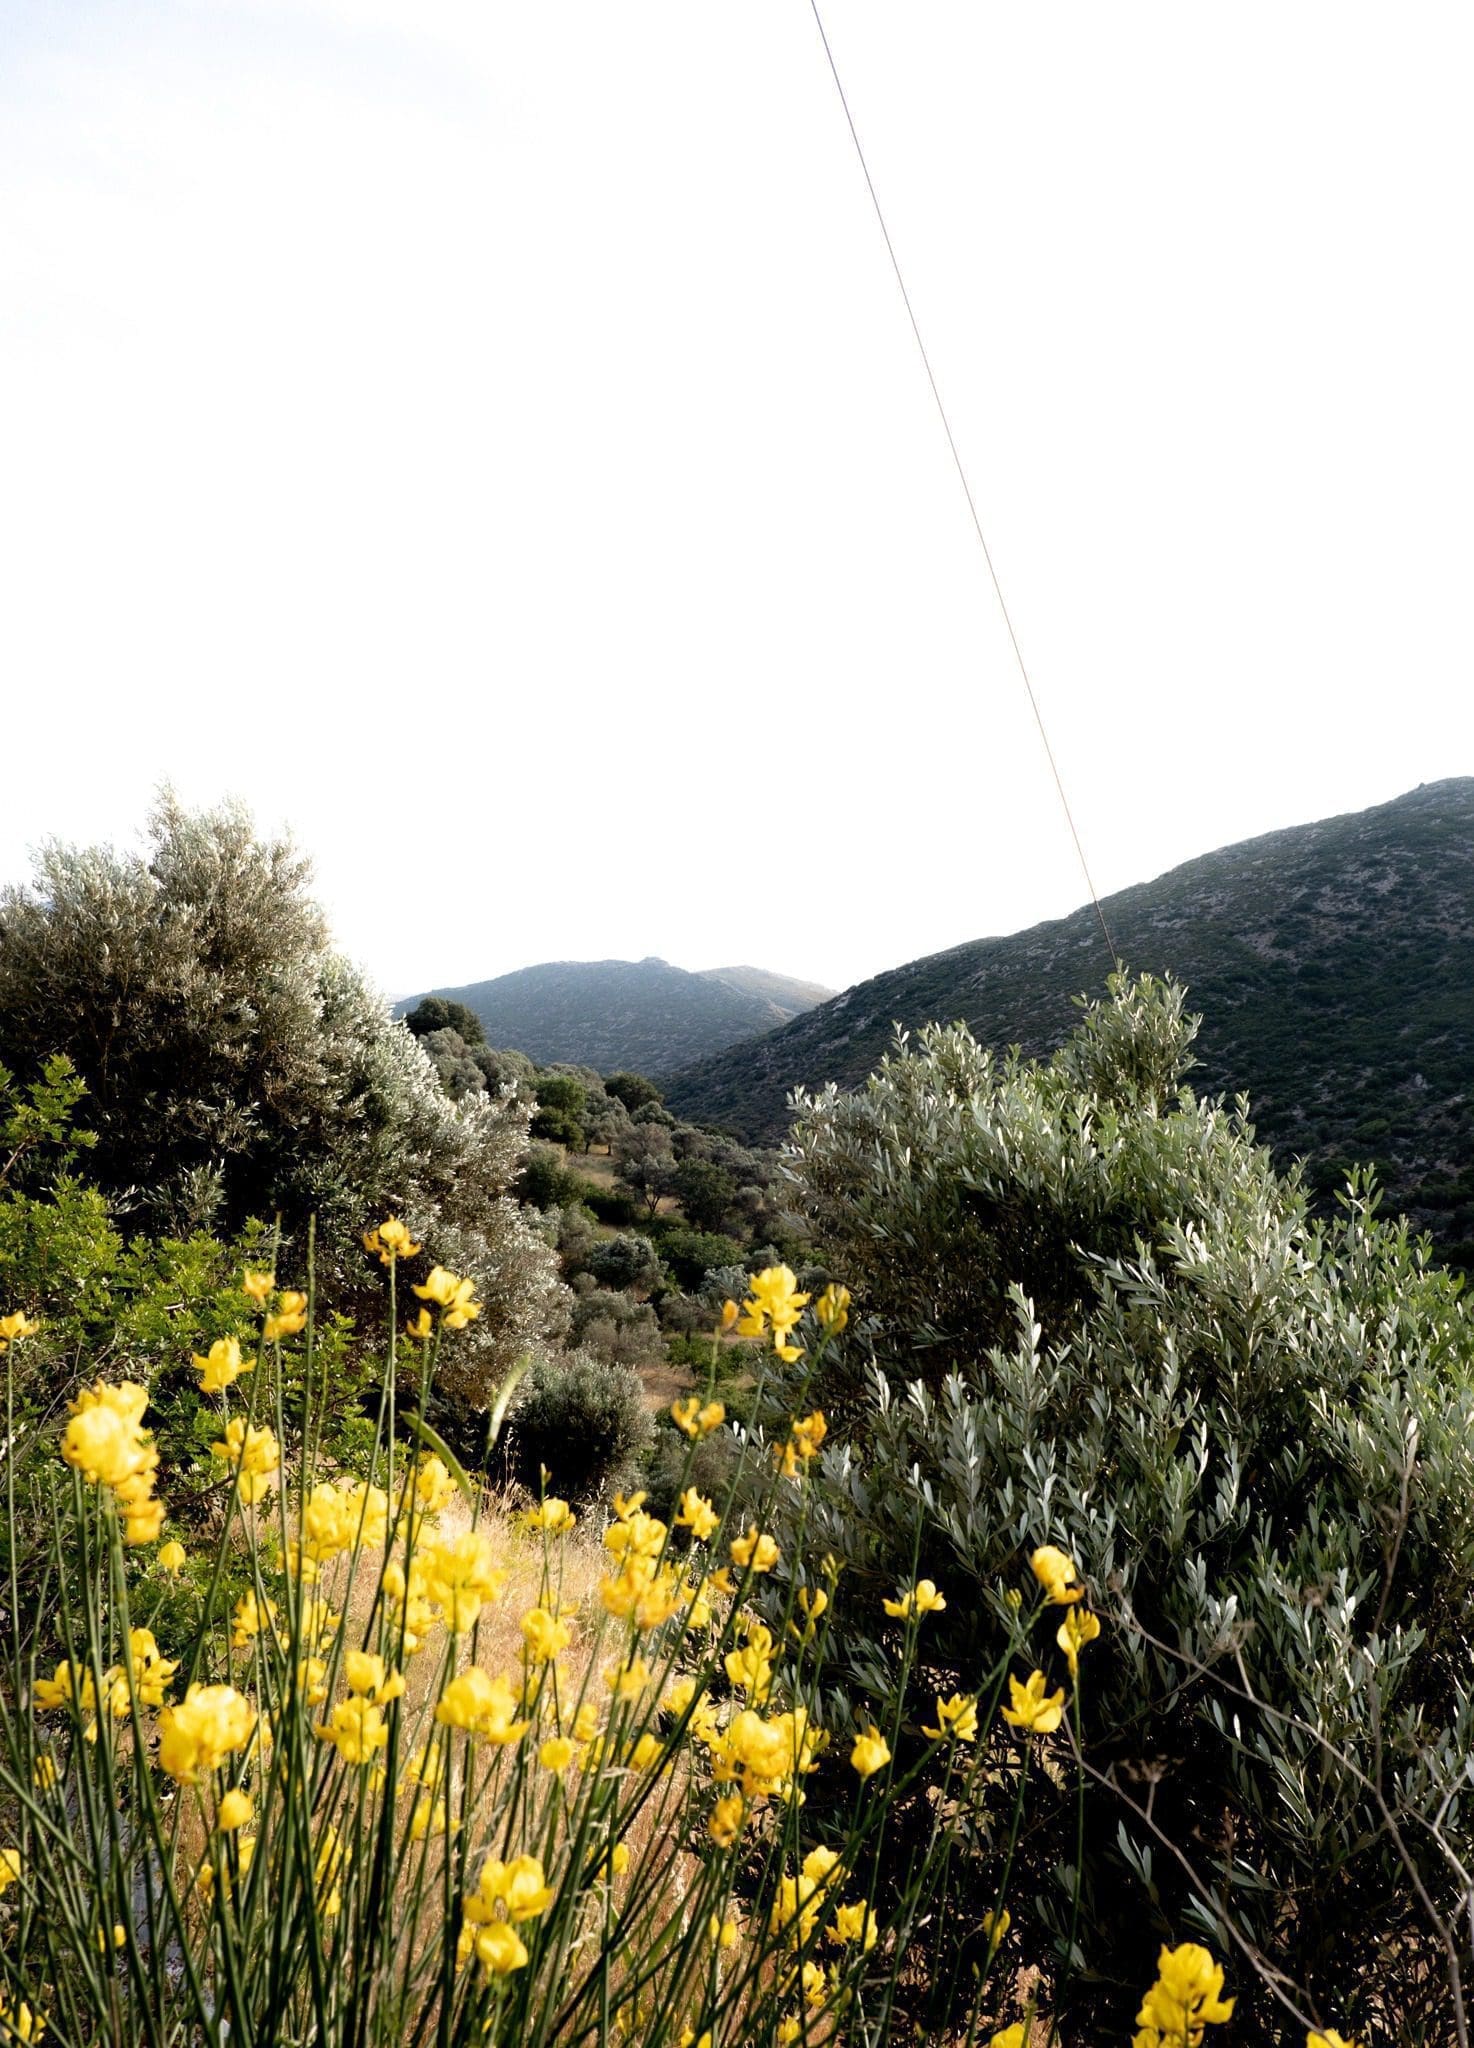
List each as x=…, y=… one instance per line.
x=488, y=437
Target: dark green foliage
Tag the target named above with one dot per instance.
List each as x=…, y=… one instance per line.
x=706, y=1192
x=437, y=1013
x=633, y=1090
x=645, y=1162
x=690, y=1254
x=236, y=1068
x=546, y=1182
x=612, y=1205
x=583, y=1423
x=714, y=1466
x=1334, y=964
x=561, y=1103
x=628, y=1261
x=1088, y=1312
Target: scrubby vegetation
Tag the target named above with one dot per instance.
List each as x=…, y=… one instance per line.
x=1333, y=964
x=1033, y=1604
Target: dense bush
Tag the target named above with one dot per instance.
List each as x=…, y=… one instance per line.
x=237, y=1069
x=434, y=1014
x=582, y=1422
x=547, y=1182
x=628, y=1260
x=633, y=1090
x=691, y=1254
x=562, y=1102
x=1094, y=1315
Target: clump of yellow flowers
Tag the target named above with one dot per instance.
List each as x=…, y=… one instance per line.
x=357, y=1792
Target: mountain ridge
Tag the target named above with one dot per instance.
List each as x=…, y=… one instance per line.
x=640, y=1015
x=1333, y=964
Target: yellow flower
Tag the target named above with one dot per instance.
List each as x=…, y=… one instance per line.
x=357, y=1730
x=62, y=1689
x=957, y=1719
x=257, y=1455
x=234, y=1811
x=15, y=1326
x=142, y=1521
x=482, y=1706
x=697, y=1514
x=173, y=1557
x=545, y=1636
x=151, y=1669
x=553, y=1516
x=45, y=1774
x=1186, y=1996
x=627, y=1681
x=557, y=1753
x=996, y=1926
x=452, y=1296
x=725, y=1933
x=222, y=1365
x=429, y=1488
x=21, y=2023
x=257, y=1285
x=1015, y=2036
x=854, y=1923
x=773, y=1303
x=923, y=1598
x=725, y=1824
x=757, y=1552
x=751, y=1667
x=290, y=1316
x=697, y=1420
x=366, y=1673
x=10, y=1868
x=730, y=1313
x=870, y=1753
x=103, y=1440
x=1032, y=1709
x=253, y=1616
x=520, y=1888
x=499, y=1949
x=459, y=1573
x=833, y=1309
x=388, y=1241
x=1078, y=1628
x=1056, y=1573
x=196, y=1737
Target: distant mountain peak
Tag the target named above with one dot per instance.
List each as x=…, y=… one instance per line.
x=641, y=1015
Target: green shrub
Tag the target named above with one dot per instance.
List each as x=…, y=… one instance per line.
x=582, y=1422
x=611, y=1205
x=633, y=1090
x=691, y=1254
x=1090, y=1313
x=547, y=1182
x=627, y=1261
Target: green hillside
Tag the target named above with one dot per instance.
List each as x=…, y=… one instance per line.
x=1333, y=965
x=643, y=1015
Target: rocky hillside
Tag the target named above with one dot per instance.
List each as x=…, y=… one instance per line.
x=641, y=1016
x=1333, y=965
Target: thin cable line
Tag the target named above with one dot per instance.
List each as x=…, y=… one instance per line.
x=977, y=523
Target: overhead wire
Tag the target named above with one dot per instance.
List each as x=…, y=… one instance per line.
x=977, y=523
